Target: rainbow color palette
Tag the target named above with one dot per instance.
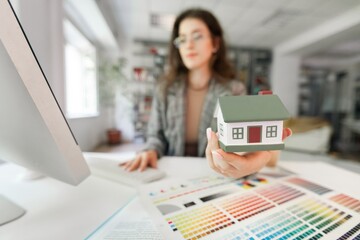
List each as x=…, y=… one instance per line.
x=254, y=208
x=283, y=225
x=322, y=216
x=347, y=201
x=200, y=222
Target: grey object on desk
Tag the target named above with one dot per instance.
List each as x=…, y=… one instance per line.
x=9, y=210
x=110, y=169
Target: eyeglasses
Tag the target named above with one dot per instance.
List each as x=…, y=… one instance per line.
x=195, y=37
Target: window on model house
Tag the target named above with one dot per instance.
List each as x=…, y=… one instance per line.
x=238, y=133
x=80, y=74
x=271, y=131
x=221, y=129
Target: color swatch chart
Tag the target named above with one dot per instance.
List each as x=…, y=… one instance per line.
x=200, y=222
x=254, y=208
x=193, y=186
x=280, y=193
x=320, y=215
x=282, y=225
x=244, y=206
x=347, y=201
x=309, y=186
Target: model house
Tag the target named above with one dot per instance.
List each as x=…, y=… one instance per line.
x=250, y=123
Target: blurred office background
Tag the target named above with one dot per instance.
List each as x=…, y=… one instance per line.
x=305, y=51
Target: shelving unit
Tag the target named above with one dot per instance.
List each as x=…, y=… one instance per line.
x=350, y=135
x=357, y=99
x=146, y=72
x=253, y=68
x=311, y=91
x=143, y=96
x=326, y=93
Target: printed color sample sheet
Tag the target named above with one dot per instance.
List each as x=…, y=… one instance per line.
x=269, y=205
x=130, y=223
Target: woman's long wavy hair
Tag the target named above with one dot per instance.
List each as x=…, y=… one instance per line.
x=220, y=65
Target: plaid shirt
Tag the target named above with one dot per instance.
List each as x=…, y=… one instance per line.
x=166, y=127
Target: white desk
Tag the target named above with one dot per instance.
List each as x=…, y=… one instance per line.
x=59, y=211
x=56, y=210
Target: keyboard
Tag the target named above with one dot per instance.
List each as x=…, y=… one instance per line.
x=106, y=165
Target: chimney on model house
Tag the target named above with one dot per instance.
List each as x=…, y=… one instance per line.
x=265, y=92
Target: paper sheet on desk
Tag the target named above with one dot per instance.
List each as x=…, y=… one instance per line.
x=271, y=204
x=130, y=223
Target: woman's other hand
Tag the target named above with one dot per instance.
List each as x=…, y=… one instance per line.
x=237, y=166
x=142, y=161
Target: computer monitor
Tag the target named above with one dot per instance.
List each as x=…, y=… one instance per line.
x=33, y=130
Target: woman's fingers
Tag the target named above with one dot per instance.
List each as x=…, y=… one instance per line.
x=143, y=163
x=127, y=164
x=211, y=163
x=208, y=153
x=253, y=161
x=214, y=141
x=244, y=165
x=153, y=162
x=220, y=163
x=134, y=164
x=235, y=165
x=148, y=158
x=211, y=160
x=215, y=160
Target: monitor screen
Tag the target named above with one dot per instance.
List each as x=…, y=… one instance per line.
x=33, y=130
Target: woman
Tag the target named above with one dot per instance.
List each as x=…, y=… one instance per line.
x=199, y=73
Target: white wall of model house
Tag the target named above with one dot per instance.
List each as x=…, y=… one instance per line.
x=225, y=136
x=221, y=126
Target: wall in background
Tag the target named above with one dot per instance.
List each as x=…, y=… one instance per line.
x=42, y=22
x=285, y=80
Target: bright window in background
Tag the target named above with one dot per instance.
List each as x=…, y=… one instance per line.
x=81, y=93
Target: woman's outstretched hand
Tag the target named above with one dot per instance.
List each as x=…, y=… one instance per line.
x=142, y=161
x=235, y=165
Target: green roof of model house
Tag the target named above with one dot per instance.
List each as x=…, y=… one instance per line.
x=252, y=108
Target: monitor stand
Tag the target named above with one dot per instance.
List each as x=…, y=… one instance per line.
x=29, y=175
x=9, y=210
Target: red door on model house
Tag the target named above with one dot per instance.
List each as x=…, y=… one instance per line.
x=254, y=134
